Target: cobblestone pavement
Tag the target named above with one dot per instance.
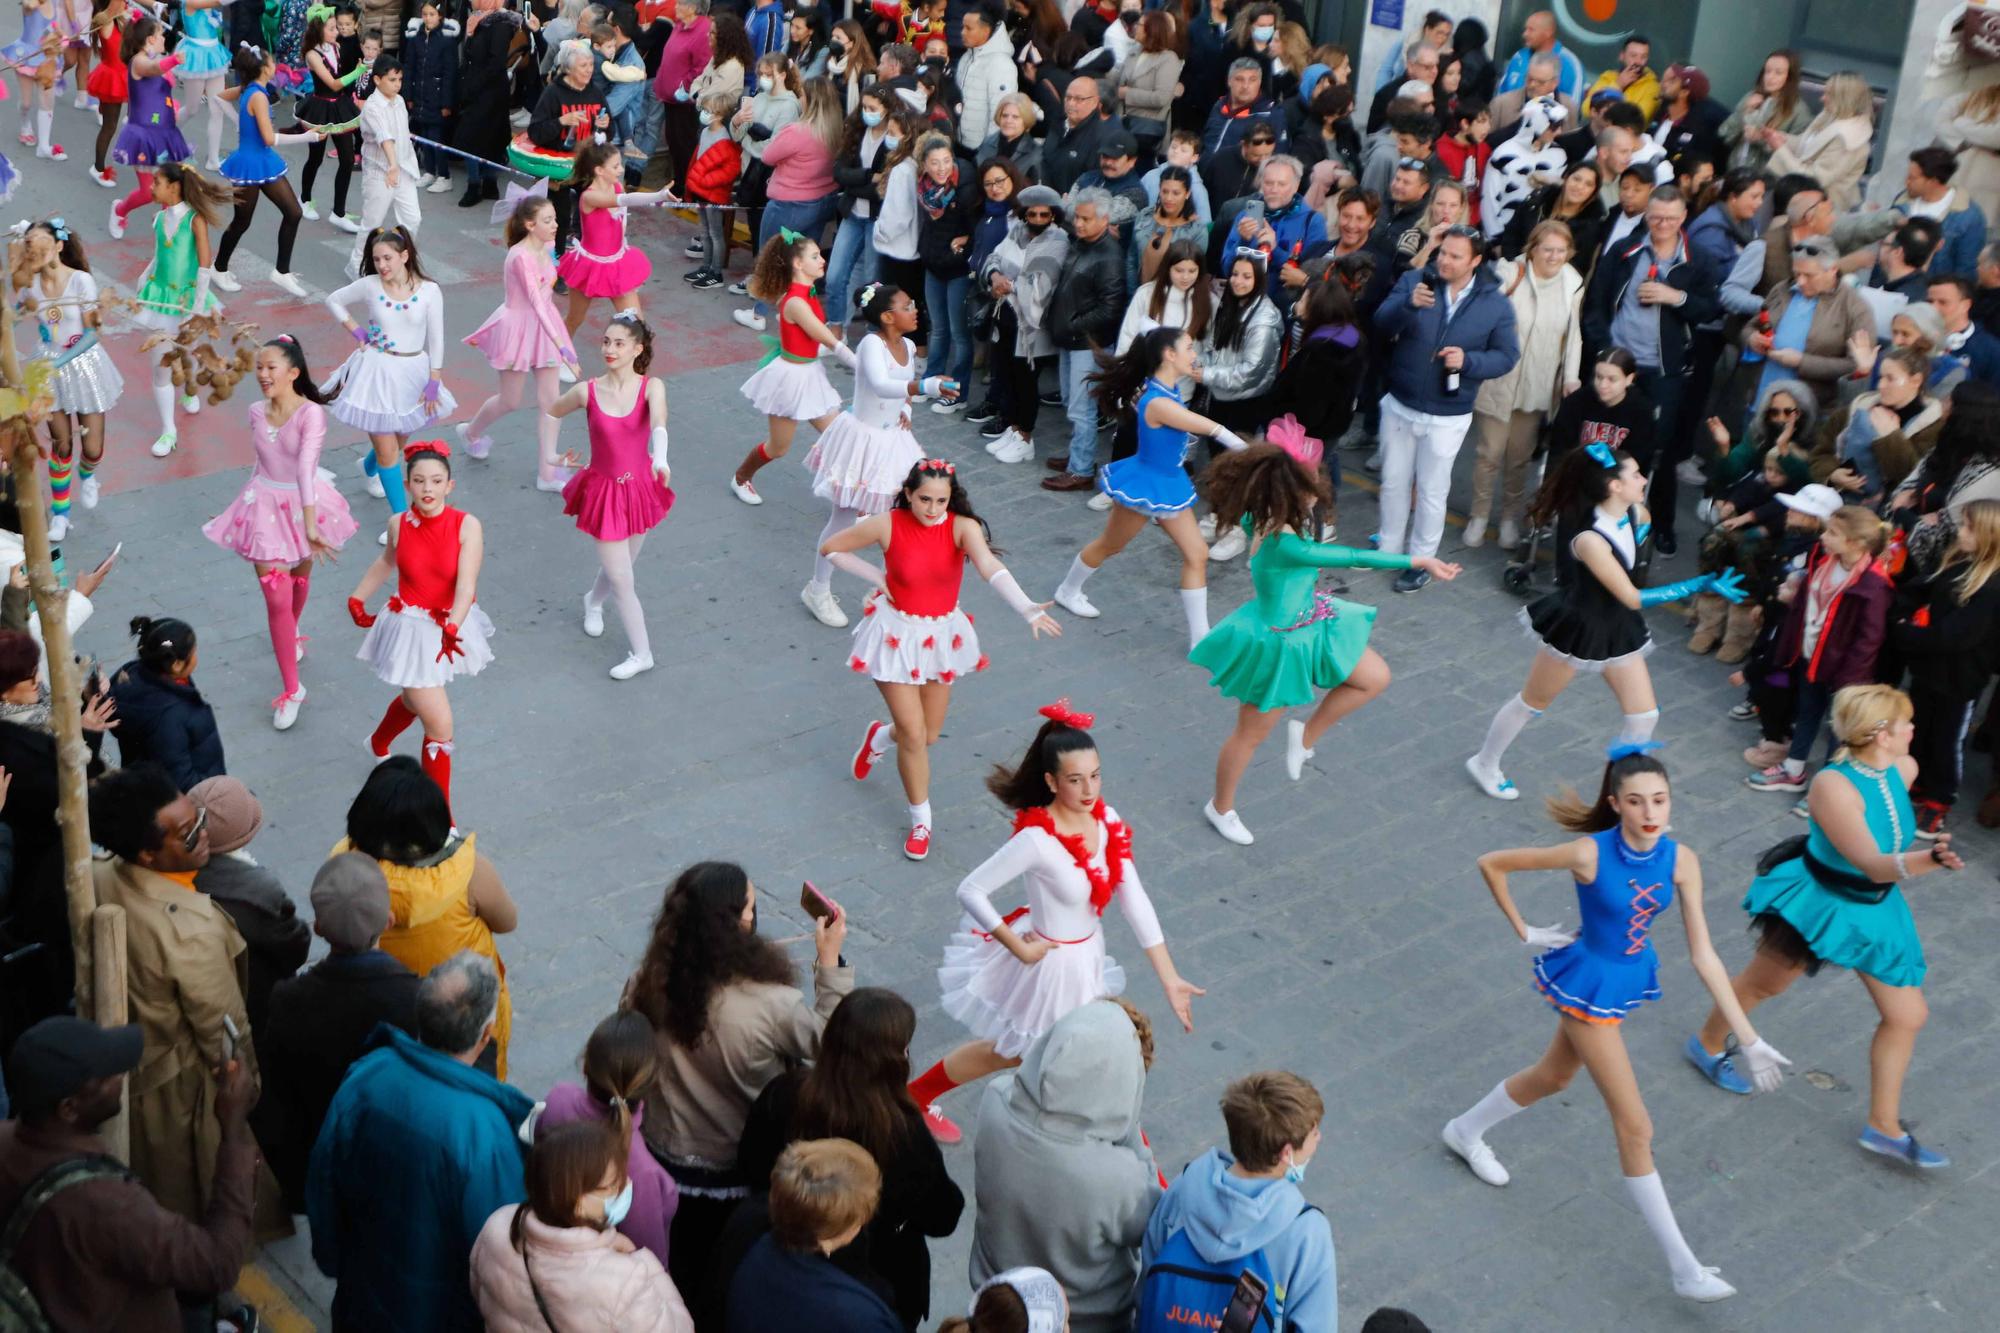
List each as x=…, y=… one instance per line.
x=1353, y=943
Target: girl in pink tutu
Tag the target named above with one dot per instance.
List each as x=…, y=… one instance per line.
x=599, y=262
x=622, y=493
x=288, y=514
x=525, y=337
x=789, y=386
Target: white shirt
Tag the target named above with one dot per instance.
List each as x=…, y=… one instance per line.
x=880, y=399
x=386, y=120
x=1917, y=208
x=1058, y=890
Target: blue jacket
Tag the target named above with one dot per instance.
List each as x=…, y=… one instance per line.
x=430, y=70
x=165, y=722
x=1483, y=327
x=774, y=1287
x=1570, y=83
x=769, y=30
x=1964, y=237
x=1980, y=355
x=1227, y=1217
x=416, y=1152
x=1226, y=125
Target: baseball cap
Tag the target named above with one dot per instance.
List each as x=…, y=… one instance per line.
x=57, y=1056
x=350, y=901
x=1818, y=500
x=1119, y=143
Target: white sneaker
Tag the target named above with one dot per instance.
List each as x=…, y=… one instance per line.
x=370, y=482
x=1510, y=534
x=1494, y=783
x=632, y=666
x=309, y=210
x=86, y=492
x=745, y=492
x=288, y=710
x=1229, y=545
x=819, y=600
x=191, y=404
x=1100, y=501
x=58, y=527
x=220, y=279
x=1015, y=448
x=442, y=185
x=117, y=222
x=1076, y=604
x=1475, y=1154
x=342, y=222
x=1228, y=825
x=52, y=153
x=382, y=537
x=593, y=617
x=749, y=319
x=1001, y=441
x=1207, y=526
x=424, y=180
x=164, y=444
x=287, y=282
x=1296, y=752
x=1706, y=1286
x=553, y=483
x=1475, y=532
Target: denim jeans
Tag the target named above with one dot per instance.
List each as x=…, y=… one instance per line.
x=850, y=268
x=950, y=350
x=808, y=217
x=1080, y=407
x=646, y=133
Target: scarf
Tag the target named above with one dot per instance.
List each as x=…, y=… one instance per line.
x=936, y=196
x=34, y=716
x=1117, y=840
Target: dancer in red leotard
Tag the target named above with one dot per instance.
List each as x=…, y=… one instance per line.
x=431, y=632
x=916, y=641
x=789, y=386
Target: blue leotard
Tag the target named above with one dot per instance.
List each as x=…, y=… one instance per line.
x=254, y=161
x=1610, y=969
x=1152, y=481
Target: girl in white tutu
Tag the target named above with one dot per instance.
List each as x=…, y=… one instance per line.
x=389, y=385
x=55, y=283
x=1010, y=978
x=525, y=337
x=789, y=386
x=288, y=514
x=432, y=631
x=859, y=464
x=176, y=284
x=915, y=641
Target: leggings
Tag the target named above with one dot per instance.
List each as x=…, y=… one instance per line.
x=839, y=521
x=279, y=192
x=347, y=156
x=107, y=130
x=615, y=584
x=1021, y=391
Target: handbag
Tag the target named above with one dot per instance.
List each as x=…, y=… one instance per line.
x=1855, y=888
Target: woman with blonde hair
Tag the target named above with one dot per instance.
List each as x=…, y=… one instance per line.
x=1833, y=896
x=1013, y=117
x=1834, y=148
x=1946, y=628
x=802, y=194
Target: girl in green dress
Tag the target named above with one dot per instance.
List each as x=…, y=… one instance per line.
x=1277, y=651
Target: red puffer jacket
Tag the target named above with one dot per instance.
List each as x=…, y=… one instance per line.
x=712, y=178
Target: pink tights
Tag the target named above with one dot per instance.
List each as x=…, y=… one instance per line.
x=284, y=602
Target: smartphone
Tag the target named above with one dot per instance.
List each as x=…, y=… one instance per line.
x=1254, y=210
x=817, y=905
x=230, y=1038
x=105, y=563
x=1245, y=1304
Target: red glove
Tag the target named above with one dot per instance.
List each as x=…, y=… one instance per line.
x=451, y=647
x=357, y=611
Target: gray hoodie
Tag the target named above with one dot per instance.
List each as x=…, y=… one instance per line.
x=1061, y=1178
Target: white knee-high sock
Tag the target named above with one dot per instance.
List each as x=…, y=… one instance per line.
x=1072, y=583
x=1194, y=605
x=1638, y=727
x=1651, y=1197
x=1491, y=1109
x=163, y=396
x=45, y=129
x=1507, y=723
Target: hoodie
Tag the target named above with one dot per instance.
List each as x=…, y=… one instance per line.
x=1228, y=1217
x=1063, y=1180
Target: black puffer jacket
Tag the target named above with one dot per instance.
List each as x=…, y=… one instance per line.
x=935, y=234
x=430, y=70
x=1090, y=295
x=166, y=722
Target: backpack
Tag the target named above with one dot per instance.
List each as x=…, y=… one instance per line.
x=20, y=1312
x=1181, y=1290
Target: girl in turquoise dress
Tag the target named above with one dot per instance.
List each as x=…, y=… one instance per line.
x=1832, y=897
x=1279, y=650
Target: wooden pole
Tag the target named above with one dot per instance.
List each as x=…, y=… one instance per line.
x=107, y=931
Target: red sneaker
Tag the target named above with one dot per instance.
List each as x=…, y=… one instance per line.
x=918, y=845
x=864, y=758
x=940, y=1125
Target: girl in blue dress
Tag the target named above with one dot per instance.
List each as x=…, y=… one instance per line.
x=1627, y=871
x=1832, y=897
x=1151, y=485
x=256, y=168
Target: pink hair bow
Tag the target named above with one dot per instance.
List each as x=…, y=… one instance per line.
x=1289, y=435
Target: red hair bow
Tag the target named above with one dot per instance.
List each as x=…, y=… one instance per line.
x=415, y=447
x=1060, y=711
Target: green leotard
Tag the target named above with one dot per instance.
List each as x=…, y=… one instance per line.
x=169, y=288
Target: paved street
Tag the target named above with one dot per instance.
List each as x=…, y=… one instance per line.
x=1353, y=943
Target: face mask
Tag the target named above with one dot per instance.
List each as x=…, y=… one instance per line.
x=619, y=1204
x=1295, y=1173
x=891, y=142
x=1037, y=228
x=707, y=118
x=1130, y=20
x=871, y=118
x=1263, y=34
x=768, y=82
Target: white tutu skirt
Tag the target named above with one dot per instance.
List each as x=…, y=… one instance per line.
x=862, y=467
x=88, y=382
x=384, y=394
x=795, y=390
x=914, y=650
x=1002, y=1000
x=402, y=646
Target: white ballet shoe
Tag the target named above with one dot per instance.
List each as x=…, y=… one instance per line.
x=287, y=711
x=1076, y=604
x=117, y=222
x=58, y=527
x=87, y=492
x=1494, y=783
x=1228, y=825
x=220, y=279
x=164, y=443
x=1296, y=752
x=1475, y=1154
x=593, y=617
x=1705, y=1286
x=632, y=666
x=370, y=480
x=476, y=446
x=745, y=492
x=191, y=404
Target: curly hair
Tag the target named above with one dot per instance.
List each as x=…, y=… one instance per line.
x=1273, y=488
x=773, y=273
x=698, y=946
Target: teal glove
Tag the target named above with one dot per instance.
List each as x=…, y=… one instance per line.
x=1728, y=585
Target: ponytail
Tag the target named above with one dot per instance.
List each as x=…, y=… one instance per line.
x=620, y=1062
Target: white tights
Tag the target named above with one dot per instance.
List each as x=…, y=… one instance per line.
x=206, y=89
x=839, y=521
x=615, y=583
x=513, y=386
x=163, y=388
x=38, y=109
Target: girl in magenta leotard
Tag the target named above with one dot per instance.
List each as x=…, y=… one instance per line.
x=622, y=494
x=599, y=262
x=288, y=514
x=915, y=641
x=525, y=337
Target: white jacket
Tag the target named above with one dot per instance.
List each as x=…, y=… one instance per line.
x=1548, y=338
x=985, y=75
x=896, y=221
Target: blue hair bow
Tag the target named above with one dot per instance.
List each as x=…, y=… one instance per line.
x=1602, y=453
x=1626, y=749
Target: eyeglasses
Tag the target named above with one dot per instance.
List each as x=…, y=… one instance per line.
x=193, y=835
x=1040, y=215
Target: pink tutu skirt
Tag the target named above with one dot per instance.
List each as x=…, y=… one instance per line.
x=515, y=340
x=611, y=508
x=914, y=650
x=862, y=467
x=1003, y=1000
x=605, y=275
x=402, y=647
x=267, y=524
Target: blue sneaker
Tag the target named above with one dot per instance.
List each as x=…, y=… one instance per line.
x=1905, y=1149
x=1717, y=1069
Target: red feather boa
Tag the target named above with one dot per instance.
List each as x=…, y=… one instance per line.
x=1117, y=850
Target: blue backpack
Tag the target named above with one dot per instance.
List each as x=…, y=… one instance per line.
x=1180, y=1290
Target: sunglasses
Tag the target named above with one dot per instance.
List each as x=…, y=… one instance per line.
x=193, y=835
x=1781, y=411
x=1040, y=215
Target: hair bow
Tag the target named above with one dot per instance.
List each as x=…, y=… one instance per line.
x=415, y=447
x=1601, y=451
x=257, y=51
x=790, y=237
x=1289, y=435
x=60, y=229
x=318, y=12
x=1626, y=749
x=512, y=197
x=1060, y=711
x=938, y=465
x=868, y=294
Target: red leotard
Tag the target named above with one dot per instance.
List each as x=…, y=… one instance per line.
x=795, y=342
x=427, y=559
x=923, y=566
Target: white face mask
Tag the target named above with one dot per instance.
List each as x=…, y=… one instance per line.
x=707, y=117
x=891, y=142
x=619, y=1204
x=768, y=82
x=1262, y=34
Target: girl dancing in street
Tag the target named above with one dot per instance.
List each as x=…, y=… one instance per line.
x=110, y=83
x=1011, y=978
x=1627, y=871
x=916, y=641
x=525, y=338
x=152, y=133
x=256, y=170
x=622, y=493
x=175, y=285
x=789, y=386
x=600, y=262
x=288, y=514
x=35, y=67
x=56, y=284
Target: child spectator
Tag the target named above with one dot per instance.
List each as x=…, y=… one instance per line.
x=1464, y=151
x=623, y=70
x=430, y=90
x=1183, y=151
x=388, y=160
x=1750, y=522
x=711, y=180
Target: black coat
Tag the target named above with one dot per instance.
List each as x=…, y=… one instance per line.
x=430, y=73
x=166, y=722
x=935, y=234
x=1697, y=277
x=1089, y=303
x=485, y=90
x=1318, y=384
x=319, y=1023
x=856, y=184
x=1586, y=229
x=276, y=940
x=34, y=983
x=1957, y=651
x=1067, y=153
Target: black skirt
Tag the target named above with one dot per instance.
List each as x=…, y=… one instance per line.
x=1588, y=637
x=319, y=109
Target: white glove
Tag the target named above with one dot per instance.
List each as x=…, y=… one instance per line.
x=1548, y=937
x=1010, y=592
x=861, y=569
x=658, y=449
x=932, y=385
x=203, y=278
x=292, y=137
x=843, y=354
x=1766, y=1064
x=1227, y=438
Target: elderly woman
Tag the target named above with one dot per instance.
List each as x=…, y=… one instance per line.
x=1012, y=119
x=1917, y=326
x=1785, y=418
x=1834, y=148
x=1811, y=323
x=1021, y=275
